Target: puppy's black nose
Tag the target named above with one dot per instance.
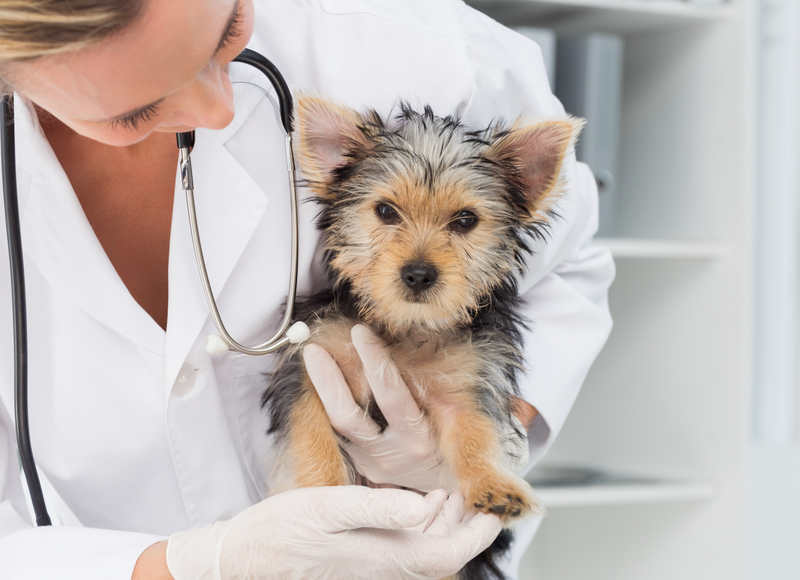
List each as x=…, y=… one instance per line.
x=419, y=277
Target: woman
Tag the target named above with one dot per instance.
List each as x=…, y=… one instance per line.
x=139, y=433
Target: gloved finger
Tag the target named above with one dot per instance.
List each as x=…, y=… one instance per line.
x=440, y=556
x=354, y=507
x=475, y=535
x=436, y=499
x=391, y=393
x=344, y=413
x=448, y=517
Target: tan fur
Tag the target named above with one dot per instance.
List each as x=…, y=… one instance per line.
x=438, y=375
x=314, y=444
x=468, y=440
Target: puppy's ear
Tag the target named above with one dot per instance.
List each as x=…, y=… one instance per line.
x=534, y=155
x=330, y=137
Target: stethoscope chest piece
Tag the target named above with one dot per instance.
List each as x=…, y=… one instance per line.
x=296, y=334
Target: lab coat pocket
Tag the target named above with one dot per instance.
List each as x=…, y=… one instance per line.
x=249, y=381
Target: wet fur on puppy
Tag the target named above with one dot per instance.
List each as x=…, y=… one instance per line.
x=426, y=226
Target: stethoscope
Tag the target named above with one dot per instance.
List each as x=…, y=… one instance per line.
x=286, y=333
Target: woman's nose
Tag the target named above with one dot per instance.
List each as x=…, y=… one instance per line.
x=207, y=101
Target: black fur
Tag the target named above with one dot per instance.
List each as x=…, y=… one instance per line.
x=484, y=565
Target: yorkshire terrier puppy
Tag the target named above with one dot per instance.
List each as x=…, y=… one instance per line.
x=426, y=226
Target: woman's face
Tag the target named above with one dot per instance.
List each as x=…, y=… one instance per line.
x=167, y=72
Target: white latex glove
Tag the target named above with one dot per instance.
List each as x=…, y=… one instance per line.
x=405, y=453
x=330, y=533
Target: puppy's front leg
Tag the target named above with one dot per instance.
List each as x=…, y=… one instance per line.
x=313, y=443
x=469, y=443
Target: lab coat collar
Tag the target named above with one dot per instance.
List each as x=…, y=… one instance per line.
x=59, y=240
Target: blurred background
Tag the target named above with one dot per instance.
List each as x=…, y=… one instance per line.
x=681, y=458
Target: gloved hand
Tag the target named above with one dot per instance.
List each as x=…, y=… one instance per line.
x=329, y=533
x=405, y=453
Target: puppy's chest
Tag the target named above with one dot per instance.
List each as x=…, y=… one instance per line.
x=436, y=373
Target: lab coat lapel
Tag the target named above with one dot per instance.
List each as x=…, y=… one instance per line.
x=230, y=206
x=61, y=243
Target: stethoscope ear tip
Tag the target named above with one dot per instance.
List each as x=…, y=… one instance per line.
x=298, y=332
x=215, y=344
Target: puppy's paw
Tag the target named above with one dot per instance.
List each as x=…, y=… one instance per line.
x=508, y=497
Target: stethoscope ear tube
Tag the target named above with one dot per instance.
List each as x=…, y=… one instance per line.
x=15, y=259
x=287, y=333
x=275, y=77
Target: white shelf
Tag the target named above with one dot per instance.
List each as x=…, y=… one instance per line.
x=559, y=487
x=663, y=249
x=619, y=16
x=624, y=493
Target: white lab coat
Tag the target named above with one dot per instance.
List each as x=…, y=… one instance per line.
x=139, y=432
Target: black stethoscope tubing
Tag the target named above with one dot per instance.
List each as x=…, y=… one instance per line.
x=20, y=312
x=15, y=257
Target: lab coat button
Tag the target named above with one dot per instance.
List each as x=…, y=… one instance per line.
x=185, y=381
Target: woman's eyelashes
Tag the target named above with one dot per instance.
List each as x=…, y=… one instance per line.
x=232, y=32
x=132, y=121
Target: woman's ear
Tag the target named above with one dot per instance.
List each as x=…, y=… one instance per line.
x=330, y=136
x=534, y=153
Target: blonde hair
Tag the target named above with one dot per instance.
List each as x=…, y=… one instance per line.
x=30, y=29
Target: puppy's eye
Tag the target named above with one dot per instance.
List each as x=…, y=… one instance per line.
x=465, y=220
x=387, y=213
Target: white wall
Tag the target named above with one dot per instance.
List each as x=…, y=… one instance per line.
x=774, y=482
x=774, y=519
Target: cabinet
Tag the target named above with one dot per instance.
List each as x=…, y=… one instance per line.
x=668, y=400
